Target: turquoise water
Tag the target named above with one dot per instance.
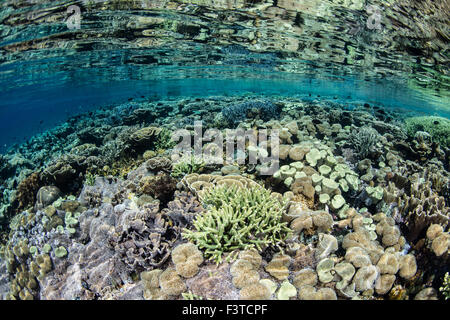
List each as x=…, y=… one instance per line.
x=129, y=49
x=31, y=109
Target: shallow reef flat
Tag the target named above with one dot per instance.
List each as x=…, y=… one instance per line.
x=104, y=206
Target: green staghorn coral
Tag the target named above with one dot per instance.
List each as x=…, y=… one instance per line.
x=190, y=296
x=445, y=289
x=238, y=218
x=90, y=179
x=164, y=140
x=187, y=165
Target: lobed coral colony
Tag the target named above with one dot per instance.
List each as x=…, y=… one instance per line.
x=358, y=208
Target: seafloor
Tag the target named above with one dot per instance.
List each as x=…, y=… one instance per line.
x=101, y=207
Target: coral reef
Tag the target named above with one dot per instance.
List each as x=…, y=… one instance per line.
x=28, y=190
x=445, y=289
x=186, y=166
x=437, y=127
x=236, y=113
x=161, y=187
x=142, y=240
x=363, y=140
x=356, y=210
x=237, y=218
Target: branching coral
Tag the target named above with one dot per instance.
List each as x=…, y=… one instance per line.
x=363, y=140
x=445, y=289
x=89, y=179
x=422, y=208
x=238, y=218
x=164, y=140
x=187, y=166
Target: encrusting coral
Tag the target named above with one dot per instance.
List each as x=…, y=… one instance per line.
x=171, y=283
x=244, y=273
x=278, y=267
x=245, y=276
x=187, y=258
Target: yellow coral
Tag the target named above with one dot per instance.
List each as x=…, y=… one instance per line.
x=252, y=256
x=243, y=273
x=278, y=267
x=255, y=291
x=171, y=283
x=151, y=278
x=408, y=266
